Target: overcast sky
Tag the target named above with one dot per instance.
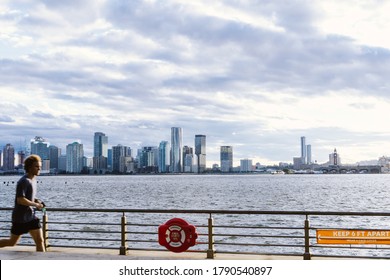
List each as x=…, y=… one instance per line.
x=256, y=75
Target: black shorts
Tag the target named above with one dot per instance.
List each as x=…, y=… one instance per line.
x=22, y=228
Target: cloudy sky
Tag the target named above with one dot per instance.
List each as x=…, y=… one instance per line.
x=256, y=75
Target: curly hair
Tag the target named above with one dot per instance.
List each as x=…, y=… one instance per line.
x=30, y=160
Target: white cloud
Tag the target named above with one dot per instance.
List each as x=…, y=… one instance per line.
x=364, y=20
x=224, y=11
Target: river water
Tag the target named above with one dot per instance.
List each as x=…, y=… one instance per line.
x=338, y=192
x=352, y=192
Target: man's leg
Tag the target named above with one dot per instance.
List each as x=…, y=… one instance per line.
x=37, y=235
x=12, y=241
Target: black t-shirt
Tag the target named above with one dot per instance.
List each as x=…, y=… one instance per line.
x=24, y=188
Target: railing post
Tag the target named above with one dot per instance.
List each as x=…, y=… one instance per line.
x=307, y=255
x=45, y=230
x=211, y=249
x=123, y=248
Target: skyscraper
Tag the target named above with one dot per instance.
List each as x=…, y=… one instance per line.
x=118, y=153
x=148, y=159
x=8, y=158
x=54, y=154
x=100, y=145
x=188, y=159
x=100, y=151
x=20, y=157
x=40, y=147
x=226, y=158
x=163, y=157
x=74, y=157
x=308, y=156
x=303, y=149
x=176, y=150
x=200, y=151
x=246, y=165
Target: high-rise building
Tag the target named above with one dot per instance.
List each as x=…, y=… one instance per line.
x=20, y=157
x=100, y=151
x=188, y=159
x=54, y=154
x=100, y=145
x=40, y=147
x=246, y=165
x=148, y=159
x=118, y=152
x=297, y=163
x=303, y=149
x=163, y=157
x=126, y=164
x=308, y=155
x=62, y=163
x=226, y=158
x=176, y=150
x=109, y=159
x=200, y=152
x=8, y=158
x=74, y=157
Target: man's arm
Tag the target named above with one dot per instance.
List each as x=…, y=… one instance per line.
x=26, y=202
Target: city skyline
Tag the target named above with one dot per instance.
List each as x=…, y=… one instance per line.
x=100, y=145
x=252, y=75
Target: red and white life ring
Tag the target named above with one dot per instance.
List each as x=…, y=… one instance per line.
x=177, y=235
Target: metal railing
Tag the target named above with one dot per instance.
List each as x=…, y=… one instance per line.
x=286, y=233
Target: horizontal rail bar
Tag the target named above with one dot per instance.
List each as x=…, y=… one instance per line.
x=224, y=212
x=84, y=239
x=141, y=232
x=82, y=247
x=260, y=236
x=88, y=224
x=258, y=227
x=260, y=245
x=83, y=231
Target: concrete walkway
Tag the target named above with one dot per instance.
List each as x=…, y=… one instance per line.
x=29, y=253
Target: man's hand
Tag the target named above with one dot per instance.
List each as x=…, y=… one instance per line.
x=41, y=204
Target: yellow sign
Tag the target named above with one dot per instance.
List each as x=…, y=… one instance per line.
x=348, y=236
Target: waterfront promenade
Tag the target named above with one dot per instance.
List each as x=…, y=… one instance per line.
x=29, y=253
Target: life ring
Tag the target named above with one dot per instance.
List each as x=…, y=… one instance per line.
x=177, y=235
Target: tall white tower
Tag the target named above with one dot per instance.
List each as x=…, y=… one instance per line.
x=176, y=150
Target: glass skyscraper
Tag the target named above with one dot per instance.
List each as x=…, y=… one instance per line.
x=200, y=152
x=176, y=150
x=303, y=149
x=100, y=151
x=118, y=153
x=54, y=154
x=100, y=145
x=226, y=158
x=40, y=147
x=188, y=159
x=163, y=157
